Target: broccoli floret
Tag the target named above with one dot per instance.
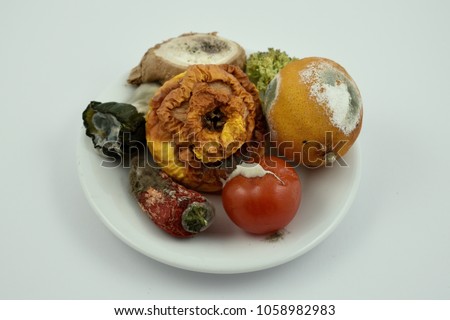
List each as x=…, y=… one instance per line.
x=262, y=67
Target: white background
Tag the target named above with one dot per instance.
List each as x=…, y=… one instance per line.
x=56, y=56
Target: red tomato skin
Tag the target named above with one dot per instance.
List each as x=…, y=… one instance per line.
x=263, y=205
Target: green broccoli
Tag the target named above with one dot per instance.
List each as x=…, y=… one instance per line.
x=262, y=67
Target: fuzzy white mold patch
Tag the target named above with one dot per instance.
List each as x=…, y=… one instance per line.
x=336, y=92
x=197, y=49
x=250, y=170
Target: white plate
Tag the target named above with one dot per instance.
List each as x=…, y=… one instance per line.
x=327, y=196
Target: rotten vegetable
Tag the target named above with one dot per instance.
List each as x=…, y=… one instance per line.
x=116, y=129
x=263, y=66
x=173, y=56
x=262, y=198
x=173, y=208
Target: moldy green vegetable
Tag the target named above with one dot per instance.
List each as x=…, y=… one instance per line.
x=262, y=67
x=114, y=127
